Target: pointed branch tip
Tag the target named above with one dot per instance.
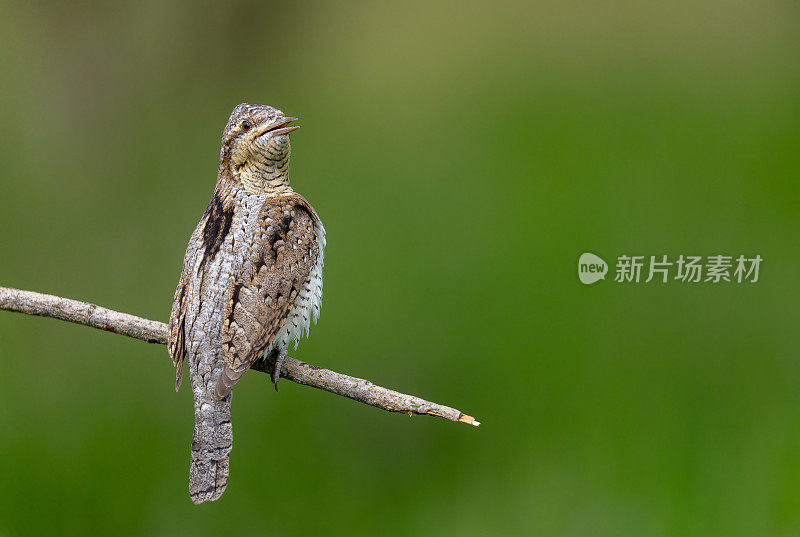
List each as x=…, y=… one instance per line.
x=464, y=418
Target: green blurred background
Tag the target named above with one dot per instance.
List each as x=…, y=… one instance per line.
x=462, y=156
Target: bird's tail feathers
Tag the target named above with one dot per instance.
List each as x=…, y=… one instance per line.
x=211, y=445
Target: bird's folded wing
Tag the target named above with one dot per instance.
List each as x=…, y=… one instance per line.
x=176, y=344
x=276, y=267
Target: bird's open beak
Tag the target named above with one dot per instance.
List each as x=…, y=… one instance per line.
x=279, y=126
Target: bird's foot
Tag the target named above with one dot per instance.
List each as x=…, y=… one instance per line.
x=276, y=373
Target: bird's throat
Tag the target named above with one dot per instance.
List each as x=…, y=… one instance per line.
x=259, y=179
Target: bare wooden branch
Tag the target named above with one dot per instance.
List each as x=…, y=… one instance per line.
x=82, y=313
x=156, y=332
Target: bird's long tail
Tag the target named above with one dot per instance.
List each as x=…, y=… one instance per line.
x=211, y=444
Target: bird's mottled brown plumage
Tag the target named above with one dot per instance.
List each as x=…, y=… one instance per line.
x=275, y=269
x=251, y=282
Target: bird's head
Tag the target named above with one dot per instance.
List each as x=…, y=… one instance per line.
x=255, y=148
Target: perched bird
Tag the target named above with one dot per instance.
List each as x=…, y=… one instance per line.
x=251, y=282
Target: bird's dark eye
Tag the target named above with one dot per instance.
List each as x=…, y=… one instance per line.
x=246, y=125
